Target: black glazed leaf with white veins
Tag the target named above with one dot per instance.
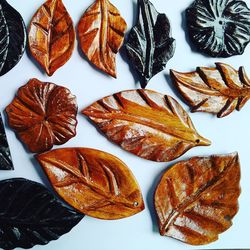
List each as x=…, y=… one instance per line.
x=150, y=45
x=31, y=215
x=219, y=28
x=5, y=156
x=12, y=37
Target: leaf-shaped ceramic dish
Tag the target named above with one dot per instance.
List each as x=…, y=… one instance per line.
x=31, y=215
x=94, y=182
x=12, y=37
x=218, y=90
x=5, y=156
x=219, y=28
x=196, y=199
x=150, y=45
x=101, y=33
x=43, y=115
x=51, y=36
x=146, y=123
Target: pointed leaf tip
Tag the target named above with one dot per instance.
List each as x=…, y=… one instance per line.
x=218, y=90
x=146, y=123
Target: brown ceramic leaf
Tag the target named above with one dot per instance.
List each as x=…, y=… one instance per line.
x=101, y=33
x=51, y=36
x=146, y=123
x=218, y=90
x=196, y=199
x=43, y=114
x=94, y=182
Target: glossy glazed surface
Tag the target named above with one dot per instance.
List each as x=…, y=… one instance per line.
x=12, y=37
x=146, y=123
x=5, y=156
x=196, y=199
x=150, y=45
x=227, y=135
x=94, y=182
x=51, y=36
x=31, y=215
x=43, y=115
x=218, y=90
x=101, y=32
x=219, y=28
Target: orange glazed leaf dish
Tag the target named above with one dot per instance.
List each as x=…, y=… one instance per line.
x=101, y=33
x=218, y=90
x=94, y=182
x=146, y=123
x=43, y=114
x=196, y=199
x=51, y=36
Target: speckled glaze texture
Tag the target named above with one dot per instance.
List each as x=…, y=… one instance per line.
x=51, y=36
x=197, y=199
x=218, y=90
x=219, y=28
x=101, y=32
x=146, y=123
x=43, y=115
x=94, y=182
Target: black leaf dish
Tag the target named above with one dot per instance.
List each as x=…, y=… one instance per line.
x=5, y=156
x=12, y=37
x=31, y=215
x=150, y=45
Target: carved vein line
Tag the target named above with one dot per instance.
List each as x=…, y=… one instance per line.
x=193, y=198
x=75, y=172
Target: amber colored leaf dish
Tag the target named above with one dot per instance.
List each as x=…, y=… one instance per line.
x=94, y=182
x=101, y=33
x=197, y=199
x=43, y=115
x=218, y=90
x=51, y=36
x=146, y=123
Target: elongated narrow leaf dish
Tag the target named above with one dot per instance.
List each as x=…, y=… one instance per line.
x=218, y=90
x=197, y=199
x=12, y=37
x=150, y=45
x=31, y=215
x=94, y=182
x=51, y=36
x=146, y=123
x=101, y=33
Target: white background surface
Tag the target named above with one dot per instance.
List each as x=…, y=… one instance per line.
x=229, y=134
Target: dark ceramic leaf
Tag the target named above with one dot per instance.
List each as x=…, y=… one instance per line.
x=12, y=37
x=219, y=28
x=149, y=45
x=5, y=157
x=31, y=215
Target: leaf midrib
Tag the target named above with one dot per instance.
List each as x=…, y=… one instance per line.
x=193, y=198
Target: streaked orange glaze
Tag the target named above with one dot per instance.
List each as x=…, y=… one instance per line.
x=101, y=32
x=196, y=199
x=51, y=36
x=146, y=123
x=218, y=90
x=94, y=182
x=42, y=115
